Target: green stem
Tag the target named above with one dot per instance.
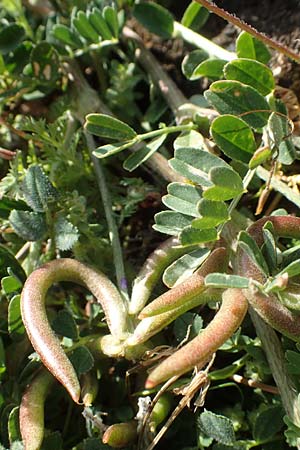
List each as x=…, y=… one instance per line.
x=112, y=227
x=200, y=41
x=277, y=362
x=166, y=130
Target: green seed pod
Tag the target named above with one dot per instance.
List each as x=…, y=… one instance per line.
x=32, y=410
x=89, y=388
x=36, y=322
x=120, y=435
x=160, y=411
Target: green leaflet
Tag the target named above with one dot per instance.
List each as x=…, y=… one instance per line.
x=109, y=127
x=252, y=73
x=218, y=427
x=211, y=68
x=212, y=213
x=234, y=137
x=38, y=190
x=141, y=155
x=227, y=184
x=233, y=97
x=195, y=16
x=84, y=28
x=30, y=226
x=183, y=198
x=66, y=35
x=191, y=62
x=184, y=266
x=170, y=222
x=224, y=281
x=10, y=37
x=248, y=46
x=155, y=17
x=190, y=235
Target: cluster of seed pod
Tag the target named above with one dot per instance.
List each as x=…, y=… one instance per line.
x=152, y=318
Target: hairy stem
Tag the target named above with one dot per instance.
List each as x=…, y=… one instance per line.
x=251, y=30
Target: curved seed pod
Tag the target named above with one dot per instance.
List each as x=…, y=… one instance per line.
x=284, y=226
x=32, y=410
x=199, y=350
x=189, y=289
x=120, y=435
x=274, y=313
x=151, y=271
x=36, y=322
x=268, y=306
x=182, y=293
x=150, y=326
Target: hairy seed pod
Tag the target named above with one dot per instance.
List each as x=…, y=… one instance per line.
x=198, y=351
x=268, y=306
x=190, y=289
x=32, y=410
x=149, y=326
x=36, y=322
x=120, y=435
x=151, y=271
x=274, y=313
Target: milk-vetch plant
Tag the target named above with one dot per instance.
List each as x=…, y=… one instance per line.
x=214, y=260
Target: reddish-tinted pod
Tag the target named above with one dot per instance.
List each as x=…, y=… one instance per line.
x=149, y=326
x=274, y=313
x=151, y=272
x=36, y=322
x=198, y=351
x=32, y=410
x=284, y=226
x=120, y=435
x=190, y=289
x=269, y=307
